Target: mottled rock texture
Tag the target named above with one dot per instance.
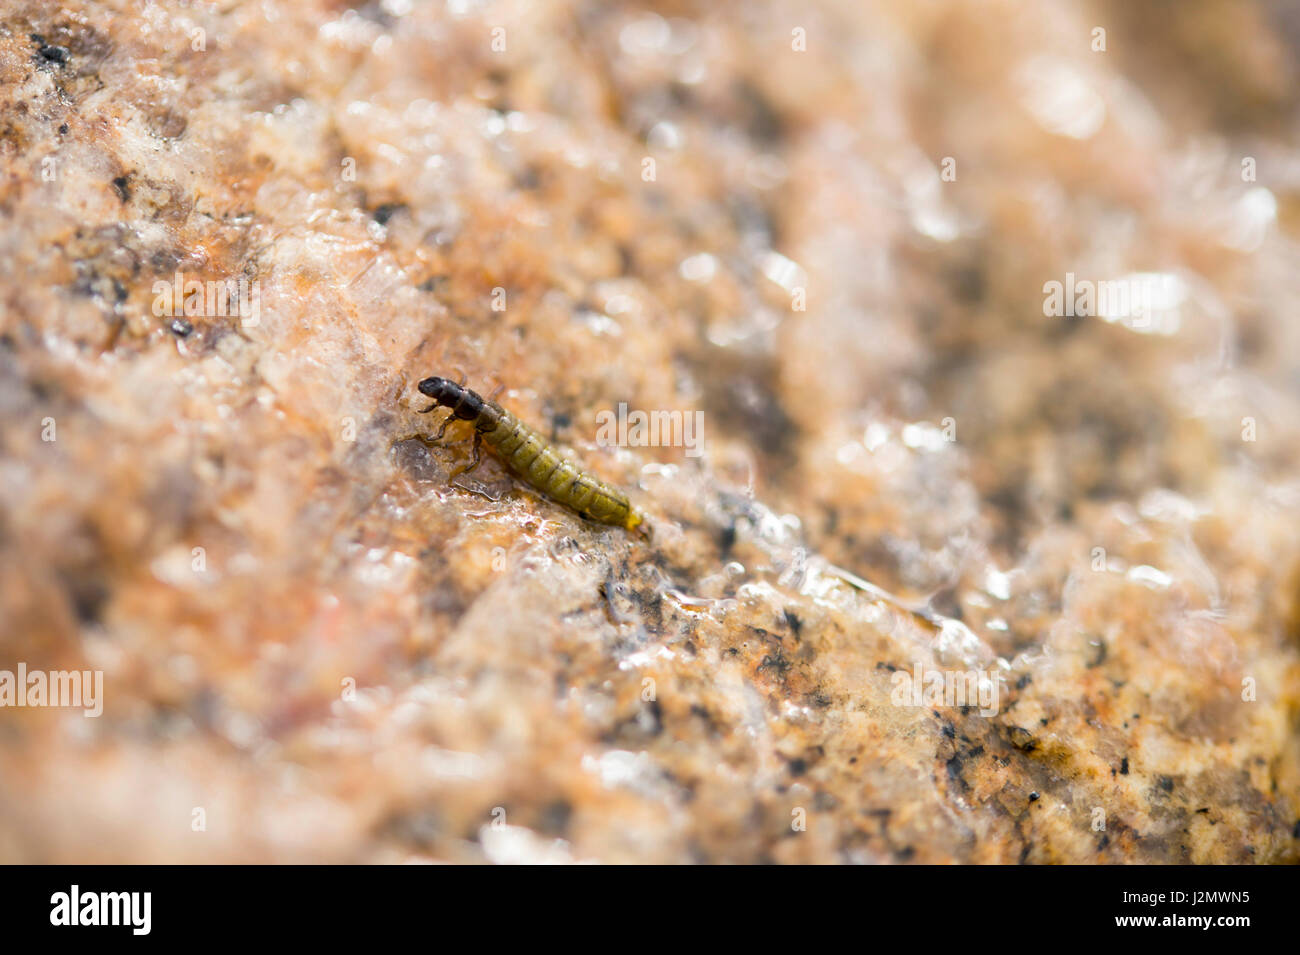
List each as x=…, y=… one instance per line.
x=827, y=227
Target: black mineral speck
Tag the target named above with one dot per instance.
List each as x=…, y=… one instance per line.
x=1022, y=739
x=386, y=211
x=727, y=539
x=793, y=622
x=51, y=53
x=181, y=327
x=555, y=818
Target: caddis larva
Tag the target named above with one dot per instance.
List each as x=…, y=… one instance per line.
x=527, y=454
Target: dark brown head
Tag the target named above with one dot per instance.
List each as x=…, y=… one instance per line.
x=464, y=403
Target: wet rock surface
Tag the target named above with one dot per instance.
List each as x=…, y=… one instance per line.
x=829, y=231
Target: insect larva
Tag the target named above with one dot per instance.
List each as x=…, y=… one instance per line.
x=529, y=456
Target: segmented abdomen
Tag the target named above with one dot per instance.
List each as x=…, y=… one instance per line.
x=529, y=455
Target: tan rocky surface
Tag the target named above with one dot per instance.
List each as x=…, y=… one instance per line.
x=224, y=517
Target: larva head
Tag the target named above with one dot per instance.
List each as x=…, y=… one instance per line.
x=464, y=404
x=441, y=390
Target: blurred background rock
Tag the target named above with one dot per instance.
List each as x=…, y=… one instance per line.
x=829, y=227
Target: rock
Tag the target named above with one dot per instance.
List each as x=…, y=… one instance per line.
x=950, y=580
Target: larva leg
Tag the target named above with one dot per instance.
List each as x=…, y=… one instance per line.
x=433, y=442
x=442, y=430
x=478, y=445
x=478, y=456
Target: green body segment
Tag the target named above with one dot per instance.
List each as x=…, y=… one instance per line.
x=529, y=455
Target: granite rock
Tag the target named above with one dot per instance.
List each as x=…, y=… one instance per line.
x=831, y=230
